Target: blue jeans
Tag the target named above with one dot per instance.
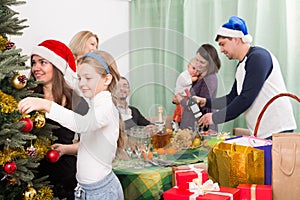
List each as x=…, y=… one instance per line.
x=287, y=131
x=108, y=188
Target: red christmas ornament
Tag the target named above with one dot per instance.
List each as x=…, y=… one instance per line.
x=52, y=156
x=10, y=45
x=10, y=167
x=28, y=125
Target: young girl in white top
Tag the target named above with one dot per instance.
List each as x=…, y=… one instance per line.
x=100, y=128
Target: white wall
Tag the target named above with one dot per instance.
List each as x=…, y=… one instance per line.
x=61, y=19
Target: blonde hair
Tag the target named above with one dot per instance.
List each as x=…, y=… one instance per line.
x=192, y=61
x=112, y=66
x=78, y=41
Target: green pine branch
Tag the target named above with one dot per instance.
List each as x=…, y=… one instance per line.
x=10, y=25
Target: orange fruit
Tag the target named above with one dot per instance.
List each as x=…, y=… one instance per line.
x=169, y=131
x=160, y=151
x=150, y=155
x=170, y=150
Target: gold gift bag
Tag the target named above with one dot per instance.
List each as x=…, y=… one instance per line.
x=286, y=166
x=231, y=164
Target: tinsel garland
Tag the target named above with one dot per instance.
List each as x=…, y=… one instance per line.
x=13, y=153
x=42, y=148
x=45, y=193
x=8, y=103
x=3, y=42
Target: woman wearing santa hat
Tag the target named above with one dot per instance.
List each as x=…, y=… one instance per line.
x=53, y=63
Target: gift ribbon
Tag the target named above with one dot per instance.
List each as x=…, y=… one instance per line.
x=196, y=190
x=253, y=192
x=207, y=187
x=192, y=169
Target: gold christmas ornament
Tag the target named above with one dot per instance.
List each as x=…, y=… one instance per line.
x=29, y=193
x=19, y=81
x=39, y=120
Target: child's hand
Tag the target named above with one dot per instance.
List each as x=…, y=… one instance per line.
x=30, y=104
x=66, y=149
x=195, y=78
x=59, y=148
x=178, y=97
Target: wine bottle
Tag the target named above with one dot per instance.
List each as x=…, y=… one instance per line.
x=193, y=105
x=174, y=125
x=160, y=123
x=161, y=138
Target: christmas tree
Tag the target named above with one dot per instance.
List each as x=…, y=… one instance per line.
x=24, y=139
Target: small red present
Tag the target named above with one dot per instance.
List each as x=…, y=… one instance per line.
x=224, y=194
x=230, y=193
x=177, y=194
x=184, y=176
x=253, y=191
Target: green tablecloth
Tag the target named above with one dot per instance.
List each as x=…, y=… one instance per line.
x=145, y=183
x=150, y=182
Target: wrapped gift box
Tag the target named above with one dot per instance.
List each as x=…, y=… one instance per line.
x=253, y=191
x=182, y=176
x=177, y=194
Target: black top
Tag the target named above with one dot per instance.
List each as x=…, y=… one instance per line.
x=137, y=119
x=62, y=174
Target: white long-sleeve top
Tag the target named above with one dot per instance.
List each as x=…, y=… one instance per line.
x=99, y=130
x=184, y=81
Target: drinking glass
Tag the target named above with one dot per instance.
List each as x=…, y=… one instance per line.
x=138, y=152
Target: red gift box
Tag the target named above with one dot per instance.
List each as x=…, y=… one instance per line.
x=183, y=177
x=253, y=191
x=177, y=194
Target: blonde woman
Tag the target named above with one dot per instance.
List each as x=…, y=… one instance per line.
x=82, y=43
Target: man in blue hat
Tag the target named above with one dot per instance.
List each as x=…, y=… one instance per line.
x=258, y=78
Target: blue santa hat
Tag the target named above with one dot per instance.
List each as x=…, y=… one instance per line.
x=235, y=27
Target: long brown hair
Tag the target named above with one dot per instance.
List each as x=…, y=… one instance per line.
x=209, y=53
x=109, y=60
x=60, y=88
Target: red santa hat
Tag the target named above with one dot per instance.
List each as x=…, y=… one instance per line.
x=60, y=56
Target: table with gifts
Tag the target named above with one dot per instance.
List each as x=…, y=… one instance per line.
x=148, y=181
x=221, y=169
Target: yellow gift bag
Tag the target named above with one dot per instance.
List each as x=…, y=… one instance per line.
x=232, y=164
